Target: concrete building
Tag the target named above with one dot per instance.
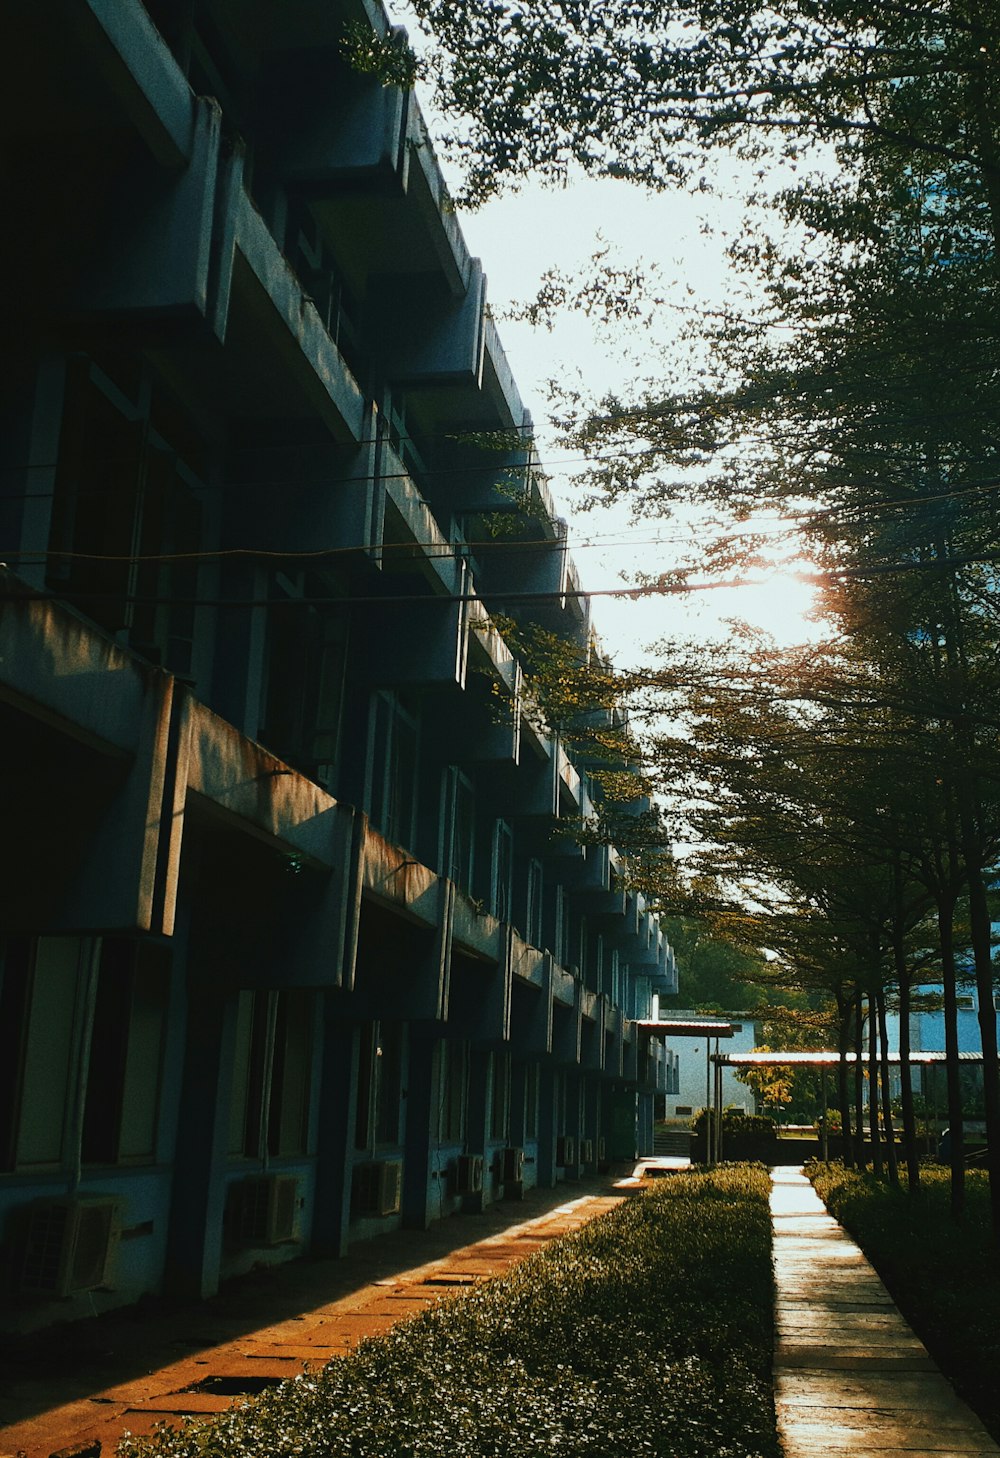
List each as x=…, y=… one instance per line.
x=292, y=951
x=692, y=1087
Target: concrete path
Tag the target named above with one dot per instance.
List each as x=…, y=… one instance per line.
x=850, y=1376
x=129, y=1371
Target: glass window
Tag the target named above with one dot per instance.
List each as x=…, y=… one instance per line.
x=459, y=829
x=380, y=1068
x=272, y=1074
x=124, y=1070
x=533, y=921
x=47, y=1050
x=453, y=1091
x=503, y=851
x=393, y=765
x=42, y=1054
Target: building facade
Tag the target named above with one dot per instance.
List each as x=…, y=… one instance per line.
x=691, y=1088
x=293, y=950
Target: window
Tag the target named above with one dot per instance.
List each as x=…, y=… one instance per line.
x=45, y=1057
x=459, y=829
x=127, y=513
x=561, y=950
x=533, y=919
x=123, y=1080
x=503, y=854
x=379, y=1085
x=452, y=1091
x=307, y=654
x=38, y=1003
x=616, y=979
x=392, y=770
x=272, y=1068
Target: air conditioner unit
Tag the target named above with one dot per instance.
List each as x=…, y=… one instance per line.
x=469, y=1174
x=512, y=1166
x=261, y=1211
x=390, y=1187
x=377, y=1188
x=565, y=1150
x=70, y=1245
x=586, y=1151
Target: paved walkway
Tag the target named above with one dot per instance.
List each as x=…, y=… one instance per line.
x=90, y=1382
x=850, y=1376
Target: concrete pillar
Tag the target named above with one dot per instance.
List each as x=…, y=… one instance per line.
x=477, y=1117
x=421, y=1197
x=337, y=1118
x=548, y=1127
x=194, y=1244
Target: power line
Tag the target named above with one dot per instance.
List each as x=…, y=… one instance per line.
x=658, y=589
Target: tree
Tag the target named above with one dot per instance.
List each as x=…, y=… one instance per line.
x=644, y=90
x=862, y=400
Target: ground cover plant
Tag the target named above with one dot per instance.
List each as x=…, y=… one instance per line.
x=944, y=1276
x=648, y=1331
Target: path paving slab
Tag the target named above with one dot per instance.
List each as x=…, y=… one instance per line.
x=850, y=1375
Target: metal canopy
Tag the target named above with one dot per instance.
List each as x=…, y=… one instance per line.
x=816, y=1059
x=686, y=1027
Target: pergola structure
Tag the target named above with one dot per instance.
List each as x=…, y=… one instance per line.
x=823, y=1059
x=707, y=1028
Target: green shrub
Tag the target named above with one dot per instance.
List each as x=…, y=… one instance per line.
x=944, y=1276
x=737, y=1121
x=648, y=1331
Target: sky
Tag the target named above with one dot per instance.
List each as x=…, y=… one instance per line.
x=518, y=237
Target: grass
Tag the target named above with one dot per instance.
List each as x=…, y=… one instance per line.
x=647, y=1332
x=944, y=1277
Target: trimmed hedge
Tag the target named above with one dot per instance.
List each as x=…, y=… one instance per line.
x=943, y=1276
x=647, y=1332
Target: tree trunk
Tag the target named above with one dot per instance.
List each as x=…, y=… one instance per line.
x=843, y=1090
x=983, y=953
x=890, y=1132
x=873, y=1126
x=946, y=936
x=859, y=1084
x=910, y=1153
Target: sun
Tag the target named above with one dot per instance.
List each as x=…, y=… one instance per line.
x=782, y=603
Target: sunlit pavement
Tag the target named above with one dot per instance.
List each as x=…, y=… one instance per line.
x=850, y=1376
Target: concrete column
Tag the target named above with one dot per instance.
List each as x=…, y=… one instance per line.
x=477, y=1117
x=194, y=1243
x=337, y=1118
x=421, y=1197
x=548, y=1113
x=518, y=1095
x=592, y=1114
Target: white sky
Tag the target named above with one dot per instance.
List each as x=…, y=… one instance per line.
x=518, y=238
